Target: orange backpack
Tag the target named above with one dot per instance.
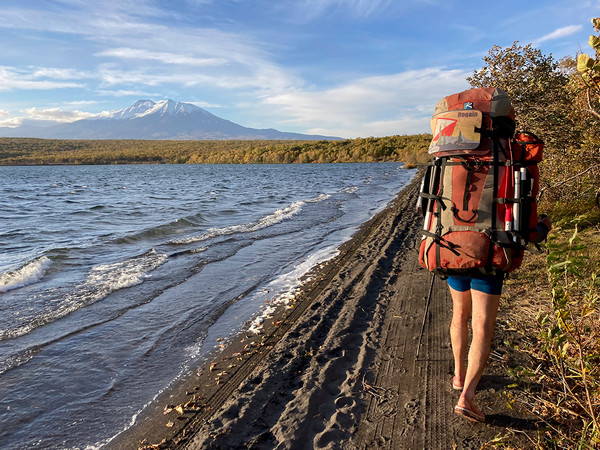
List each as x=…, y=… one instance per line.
x=478, y=197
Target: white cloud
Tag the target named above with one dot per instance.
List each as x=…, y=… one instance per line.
x=206, y=58
x=363, y=8
x=559, y=33
x=307, y=10
x=55, y=115
x=164, y=57
x=16, y=79
x=46, y=116
x=111, y=76
x=126, y=93
x=58, y=73
x=206, y=105
x=12, y=122
x=245, y=68
x=81, y=103
x=371, y=106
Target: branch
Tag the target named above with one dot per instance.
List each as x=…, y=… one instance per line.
x=591, y=110
x=567, y=180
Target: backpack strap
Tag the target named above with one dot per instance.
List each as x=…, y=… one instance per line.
x=438, y=214
x=489, y=267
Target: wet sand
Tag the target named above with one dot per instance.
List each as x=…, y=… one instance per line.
x=339, y=369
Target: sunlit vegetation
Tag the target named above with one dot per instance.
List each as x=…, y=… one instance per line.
x=552, y=304
x=411, y=149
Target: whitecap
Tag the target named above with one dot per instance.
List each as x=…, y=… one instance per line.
x=269, y=220
x=101, y=281
x=30, y=273
x=16, y=360
x=349, y=190
x=111, y=277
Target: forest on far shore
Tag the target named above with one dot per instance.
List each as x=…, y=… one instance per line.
x=411, y=149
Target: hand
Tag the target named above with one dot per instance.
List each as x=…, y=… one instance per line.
x=545, y=220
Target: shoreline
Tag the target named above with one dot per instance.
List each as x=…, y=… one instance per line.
x=150, y=428
x=339, y=368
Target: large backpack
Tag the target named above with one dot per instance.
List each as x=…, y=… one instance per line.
x=478, y=196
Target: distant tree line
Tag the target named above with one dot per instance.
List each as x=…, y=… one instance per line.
x=411, y=149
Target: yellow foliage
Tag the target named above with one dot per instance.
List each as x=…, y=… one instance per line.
x=28, y=151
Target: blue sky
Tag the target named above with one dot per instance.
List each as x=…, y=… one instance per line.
x=349, y=68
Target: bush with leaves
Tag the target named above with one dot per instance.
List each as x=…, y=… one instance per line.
x=589, y=68
x=537, y=87
x=571, y=340
x=547, y=101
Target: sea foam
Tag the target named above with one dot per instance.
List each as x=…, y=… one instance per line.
x=30, y=273
x=283, y=289
x=102, y=280
x=269, y=220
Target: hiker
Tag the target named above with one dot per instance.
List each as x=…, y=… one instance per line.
x=476, y=298
x=478, y=199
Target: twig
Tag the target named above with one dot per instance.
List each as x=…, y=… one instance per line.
x=566, y=181
x=589, y=100
x=373, y=390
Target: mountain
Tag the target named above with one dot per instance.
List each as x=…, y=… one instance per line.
x=146, y=119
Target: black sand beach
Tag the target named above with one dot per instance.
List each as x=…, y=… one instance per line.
x=339, y=369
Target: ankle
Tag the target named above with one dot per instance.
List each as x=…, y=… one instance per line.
x=465, y=397
x=460, y=373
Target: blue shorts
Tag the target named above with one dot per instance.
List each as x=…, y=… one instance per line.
x=489, y=284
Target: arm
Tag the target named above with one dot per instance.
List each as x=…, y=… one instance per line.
x=541, y=230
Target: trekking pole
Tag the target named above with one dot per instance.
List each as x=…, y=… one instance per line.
x=425, y=316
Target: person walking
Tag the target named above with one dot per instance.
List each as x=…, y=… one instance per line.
x=478, y=200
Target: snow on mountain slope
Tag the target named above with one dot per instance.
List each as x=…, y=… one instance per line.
x=143, y=108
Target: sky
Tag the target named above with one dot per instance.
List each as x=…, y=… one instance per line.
x=347, y=68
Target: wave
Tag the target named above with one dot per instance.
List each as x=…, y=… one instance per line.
x=111, y=277
x=101, y=281
x=16, y=360
x=349, y=190
x=272, y=219
x=30, y=273
x=167, y=229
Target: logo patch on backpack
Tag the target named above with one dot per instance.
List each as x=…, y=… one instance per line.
x=468, y=105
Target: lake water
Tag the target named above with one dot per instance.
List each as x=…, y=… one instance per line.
x=112, y=277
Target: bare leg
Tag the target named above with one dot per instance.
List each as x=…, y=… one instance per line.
x=484, y=310
x=459, y=331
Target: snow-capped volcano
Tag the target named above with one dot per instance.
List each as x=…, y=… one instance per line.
x=145, y=107
x=146, y=119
